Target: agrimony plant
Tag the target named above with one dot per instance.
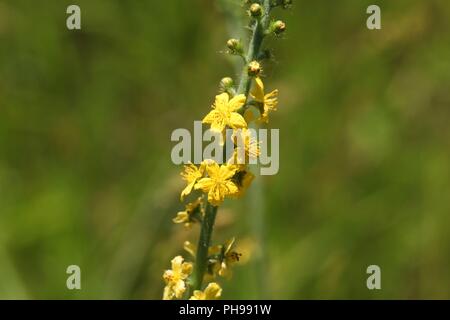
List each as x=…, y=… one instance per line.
x=234, y=108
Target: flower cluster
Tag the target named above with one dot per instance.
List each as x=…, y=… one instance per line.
x=234, y=108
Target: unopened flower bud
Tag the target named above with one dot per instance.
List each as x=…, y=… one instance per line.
x=255, y=10
x=226, y=83
x=278, y=27
x=234, y=46
x=254, y=68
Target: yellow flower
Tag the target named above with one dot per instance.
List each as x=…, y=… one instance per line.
x=190, y=214
x=227, y=257
x=212, y=292
x=218, y=183
x=224, y=113
x=269, y=101
x=247, y=147
x=175, y=278
x=191, y=174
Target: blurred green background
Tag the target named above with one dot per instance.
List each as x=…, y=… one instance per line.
x=85, y=170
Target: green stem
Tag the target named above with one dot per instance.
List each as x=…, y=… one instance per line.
x=254, y=47
x=201, y=261
x=204, y=241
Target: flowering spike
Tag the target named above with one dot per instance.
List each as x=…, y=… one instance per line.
x=232, y=109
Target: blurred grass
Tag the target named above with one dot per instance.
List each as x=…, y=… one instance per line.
x=85, y=170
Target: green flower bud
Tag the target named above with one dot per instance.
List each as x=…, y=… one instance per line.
x=226, y=83
x=255, y=10
x=277, y=27
x=235, y=46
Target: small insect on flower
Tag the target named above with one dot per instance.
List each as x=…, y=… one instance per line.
x=193, y=213
x=243, y=179
x=225, y=113
x=212, y=292
x=226, y=258
x=218, y=184
x=268, y=102
x=175, y=278
x=191, y=174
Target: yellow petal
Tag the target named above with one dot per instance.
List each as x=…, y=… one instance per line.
x=215, y=196
x=181, y=217
x=237, y=102
x=237, y=121
x=227, y=171
x=186, y=269
x=216, y=119
x=198, y=295
x=272, y=96
x=232, y=188
x=221, y=100
x=187, y=190
x=258, y=90
x=218, y=126
x=168, y=293
x=211, y=116
x=213, y=291
x=204, y=184
x=179, y=288
x=176, y=264
x=212, y=169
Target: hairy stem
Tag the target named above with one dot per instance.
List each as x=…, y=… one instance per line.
x=204, y=241
x=203, y=245
x=254, y=47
